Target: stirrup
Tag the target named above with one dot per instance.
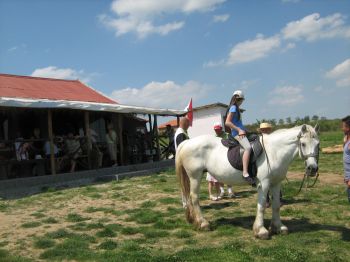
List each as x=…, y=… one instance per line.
x=250, y=180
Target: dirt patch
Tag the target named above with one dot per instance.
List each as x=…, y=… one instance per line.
x=333, y=149
x=324, y=178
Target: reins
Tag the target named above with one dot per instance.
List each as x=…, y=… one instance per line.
x=306, y=174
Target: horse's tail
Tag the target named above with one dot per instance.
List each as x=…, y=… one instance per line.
x=184, y=185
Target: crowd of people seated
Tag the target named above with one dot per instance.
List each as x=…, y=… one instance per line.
x=67, y=148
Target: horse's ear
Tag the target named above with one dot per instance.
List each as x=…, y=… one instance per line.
x=303, y=128
x=317, y=128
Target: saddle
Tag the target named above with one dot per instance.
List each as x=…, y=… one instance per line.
x=235, y=153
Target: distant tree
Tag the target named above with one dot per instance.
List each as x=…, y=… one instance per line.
x=288, y=120
x=315, y=118
x=306, y=119
x=298, y=121
x=273, y=122
x=281, y=122
x=323, y=118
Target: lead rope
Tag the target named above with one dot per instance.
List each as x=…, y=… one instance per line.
x=306, y=173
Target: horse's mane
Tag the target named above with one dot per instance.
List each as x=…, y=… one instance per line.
x=279, y=132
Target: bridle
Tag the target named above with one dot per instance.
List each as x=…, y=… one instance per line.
x=316, y=155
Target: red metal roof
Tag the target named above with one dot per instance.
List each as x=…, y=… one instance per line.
x=173, y=123
x=49, y=88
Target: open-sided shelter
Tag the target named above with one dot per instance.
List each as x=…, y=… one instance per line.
x=57, y=107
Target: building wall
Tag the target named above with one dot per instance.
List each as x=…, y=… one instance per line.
x=204, y=120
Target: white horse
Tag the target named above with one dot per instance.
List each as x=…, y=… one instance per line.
x=207, y=154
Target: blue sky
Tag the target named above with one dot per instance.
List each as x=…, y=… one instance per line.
x=290, y=57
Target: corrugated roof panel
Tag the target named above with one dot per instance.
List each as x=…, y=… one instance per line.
x=47, y=88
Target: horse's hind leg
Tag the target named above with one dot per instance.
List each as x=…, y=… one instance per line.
x=276, y=224
x=259, y=230
x=199, y=220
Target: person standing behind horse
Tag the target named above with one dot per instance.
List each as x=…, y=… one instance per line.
x=219, y=132
x=234, y=122
x=346, y=153
x=181, y=133
x=112, y=139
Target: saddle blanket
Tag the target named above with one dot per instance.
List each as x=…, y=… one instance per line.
x=235, y=151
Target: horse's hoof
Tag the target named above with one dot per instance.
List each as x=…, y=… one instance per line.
x=263, y=234
x=205, y=226
x=278, y=230
x=284, y=230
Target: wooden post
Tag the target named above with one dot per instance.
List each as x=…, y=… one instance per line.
x=155, y=128
x=151, y=133
x=120, y=138
x=52, y=147
x=178, y=121
x=88, y=135
x=150, y=124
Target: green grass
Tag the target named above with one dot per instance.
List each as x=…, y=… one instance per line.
x=31, y=224
x=73, y=217
x=50, y=220
x=150, y=225
x=44, y=243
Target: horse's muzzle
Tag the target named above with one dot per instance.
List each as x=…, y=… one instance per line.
x=311, y=170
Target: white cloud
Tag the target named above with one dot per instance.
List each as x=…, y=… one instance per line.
x=139, y=16
x=251, y=50
x=17, y=48
x=246, y=84
x=12, y=49
x=161, y=94
x=221, y=18
x=214, y=63
x=313, y=27
x=341, y=73
x=309, y=28
x=286, y=96
x=62, y=73
x=248, y=51
x=288, y=46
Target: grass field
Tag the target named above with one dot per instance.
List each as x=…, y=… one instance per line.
x=141, y=219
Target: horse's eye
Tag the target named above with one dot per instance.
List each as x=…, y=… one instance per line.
x=303, y=144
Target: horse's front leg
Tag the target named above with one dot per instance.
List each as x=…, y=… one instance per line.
x=199, y=220
x=276, y=224
x=259, y=230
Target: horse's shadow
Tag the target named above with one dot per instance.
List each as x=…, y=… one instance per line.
x=290, y=201
x=219, y=205
x=294, y=225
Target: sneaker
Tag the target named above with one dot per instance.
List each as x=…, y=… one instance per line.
x=231, y=195
x=213, y=198
x=222, y=195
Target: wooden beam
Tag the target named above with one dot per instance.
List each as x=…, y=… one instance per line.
x=52, y=147
x=155, y=128
x=88, y=135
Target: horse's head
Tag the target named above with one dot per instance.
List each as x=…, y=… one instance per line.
x=309, y=143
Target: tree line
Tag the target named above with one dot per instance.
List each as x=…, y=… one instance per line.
x=324, y=123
